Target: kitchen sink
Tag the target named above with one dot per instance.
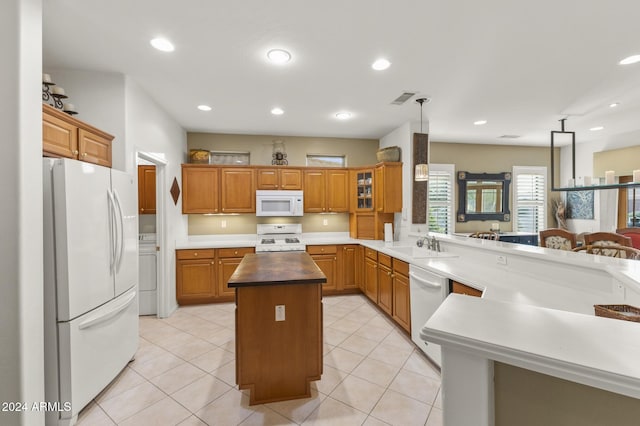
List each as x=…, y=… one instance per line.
x=420, y=252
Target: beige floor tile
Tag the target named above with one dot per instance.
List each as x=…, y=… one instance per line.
x=93, y=415
x=157, y=366
x=226, y=373
x=229, y=346
x=264, y=416
x=435, y=417
x=132, y=401
x=343, y=360
x=358, y=393
x=375, y=371
x=297, y=410
x=438, y=402
x=337, y=310
x=328, y=319
x=165, y=412
x=213, y=360
x=232, y=408
x=174, y=340
x=390, y=354
x=335, y=413
x=358, y=344
x=382, y=321
x=177, y=378
x=400, y=340
x=372, y=421
x=398, y=409
x=161, y=333
x=126, y=380
x=147, y=352
x=372, y=332
x=206, y=331
x=201, y=392
x=417, y=362
x=192, y=348
x=331, y=377
x=416, y=386
x=326, y=348
x=333, y=336
x=192, y=421
x=359, y=317
x=347, y=326
x=221, y=337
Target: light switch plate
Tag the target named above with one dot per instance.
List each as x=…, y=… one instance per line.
x=280, y=313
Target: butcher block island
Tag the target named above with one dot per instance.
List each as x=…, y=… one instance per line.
x=278, y=325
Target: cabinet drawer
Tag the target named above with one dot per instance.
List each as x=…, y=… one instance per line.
x=460, y=288
x=370, y=253
x=235, y=252
x=330, y=249
x=400, y=267
x=195, y=254
x=384, y=259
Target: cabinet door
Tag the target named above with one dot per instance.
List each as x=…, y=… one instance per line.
x=327, y=263
x=347, y=267
x=401, y=303
x=360, y=267
x=459, y=288
x=238, y=192
x=388, y=188
x=379, y=190
x=337, y=191
x=267, y=179
x=94, y=148
x=226, y=268
x=195, y=281
x=291, y=179
x=147, y=189
x=314, y=191
x=385, y=288
x=200, y=191
x=363, y=186
x=59, y=138
x=371, y=279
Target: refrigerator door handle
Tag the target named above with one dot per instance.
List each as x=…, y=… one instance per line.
x=120, y=237
x=112, y=232
x=101, y=317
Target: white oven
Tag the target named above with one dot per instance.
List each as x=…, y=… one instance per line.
x=279, y=203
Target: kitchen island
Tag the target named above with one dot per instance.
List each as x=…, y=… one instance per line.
x=278, y=325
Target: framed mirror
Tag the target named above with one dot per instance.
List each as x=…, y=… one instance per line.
x=483, y=196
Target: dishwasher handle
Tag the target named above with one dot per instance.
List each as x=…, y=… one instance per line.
x=427, y=283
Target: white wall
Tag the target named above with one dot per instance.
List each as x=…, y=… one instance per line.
x=150, y=129
x=21, y=304
x=403, y=137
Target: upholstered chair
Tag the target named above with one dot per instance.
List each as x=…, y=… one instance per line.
x=558, y=239
x=606, y=238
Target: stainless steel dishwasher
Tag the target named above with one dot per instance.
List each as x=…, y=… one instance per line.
x=427, y=291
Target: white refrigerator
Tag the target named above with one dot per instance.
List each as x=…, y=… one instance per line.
x=90, y=281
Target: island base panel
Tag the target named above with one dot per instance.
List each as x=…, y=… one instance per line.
x=278, y=360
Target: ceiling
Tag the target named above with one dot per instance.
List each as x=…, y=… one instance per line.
x=519, y=65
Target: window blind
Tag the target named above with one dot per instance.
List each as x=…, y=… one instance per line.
x=440, y=203
x=529, y=198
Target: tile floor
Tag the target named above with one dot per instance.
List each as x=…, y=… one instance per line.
x=184, y=374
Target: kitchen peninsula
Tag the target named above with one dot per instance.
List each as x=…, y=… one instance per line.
x=278, y=325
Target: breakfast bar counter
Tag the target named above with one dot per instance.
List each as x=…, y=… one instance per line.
x=278, y=325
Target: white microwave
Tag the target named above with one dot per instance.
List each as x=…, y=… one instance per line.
x=279, y=203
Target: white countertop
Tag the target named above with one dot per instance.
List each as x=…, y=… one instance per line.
x=594, y=351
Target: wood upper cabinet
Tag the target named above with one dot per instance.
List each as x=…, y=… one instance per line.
x=200, y=189
x=326, y=191
x=325, y=256
x=388, y=188
x=279, y=178
x=371, y=274
x=147, y=189
x=385, y=287
x=237, y=190
x=401, y=302
x=362, y=181
x=65, y=136
x=195, y=276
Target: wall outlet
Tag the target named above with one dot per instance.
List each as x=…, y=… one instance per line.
x=325, y=222
x=279, y=312
x=223, y=223
x=502, y=260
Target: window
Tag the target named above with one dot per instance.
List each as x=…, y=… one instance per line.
x=321, y=160
x=440, y=204
x=529, y=198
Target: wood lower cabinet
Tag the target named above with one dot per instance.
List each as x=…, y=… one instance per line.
x=371, y=274
x=147, y=189
x=326, y=257
x=202, y=274
x=279, y=178
x=385, y=283
x=459, y=288
x=401, y=297
x=65, y=136
x=348, y=267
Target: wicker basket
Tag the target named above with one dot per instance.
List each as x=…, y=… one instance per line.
x=621, y=312
x=391, y=153
x=199, y=156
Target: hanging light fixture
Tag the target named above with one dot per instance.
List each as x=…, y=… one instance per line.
x=422, y=170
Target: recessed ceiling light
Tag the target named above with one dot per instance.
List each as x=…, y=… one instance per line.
x=162, y=44
x=204, y=107
x=279, y=56
x=630, y=60
x=480, y=122
x=277, y=111
x=613, y=105
x=595, y=129
x=343, y=115
x=381, y=64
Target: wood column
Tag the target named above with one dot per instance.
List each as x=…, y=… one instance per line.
x=419, y=191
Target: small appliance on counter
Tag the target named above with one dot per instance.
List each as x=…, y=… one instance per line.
x=279, y=203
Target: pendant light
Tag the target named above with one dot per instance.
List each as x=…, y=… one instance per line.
x=422, y=170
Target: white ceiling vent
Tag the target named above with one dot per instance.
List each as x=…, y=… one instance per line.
x=509, y=136
x=404, y=97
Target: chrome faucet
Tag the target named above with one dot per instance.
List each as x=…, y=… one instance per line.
x=431, y=242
